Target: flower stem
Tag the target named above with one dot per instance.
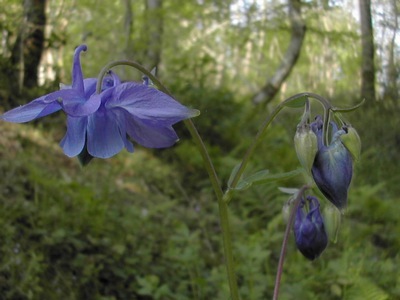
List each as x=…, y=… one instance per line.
x=252, y=147
x=223, y=210
x=285, y=241
x=215, y=182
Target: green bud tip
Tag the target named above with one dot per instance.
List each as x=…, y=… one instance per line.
x=352, y=142
x=332, y=217
x=306, y=145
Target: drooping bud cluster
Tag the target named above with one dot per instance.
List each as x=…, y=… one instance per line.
x=327, y=153
x=332, y=164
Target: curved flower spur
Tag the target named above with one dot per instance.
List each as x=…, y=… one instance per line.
x=102, y=124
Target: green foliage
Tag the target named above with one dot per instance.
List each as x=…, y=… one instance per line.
x=145, y=226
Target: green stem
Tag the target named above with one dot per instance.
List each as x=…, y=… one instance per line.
x=251, y=149
x=223, y=210
x=215, y=182
x=285, y=241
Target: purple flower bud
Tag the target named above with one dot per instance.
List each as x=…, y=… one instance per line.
x=309, y=230
x=333, y=166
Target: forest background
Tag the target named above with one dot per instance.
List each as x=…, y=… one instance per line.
x=145, y=225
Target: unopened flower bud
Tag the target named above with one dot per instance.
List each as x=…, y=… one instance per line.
x=309, y=230
x=305, y=143
x=333, y=166
x=352, y=142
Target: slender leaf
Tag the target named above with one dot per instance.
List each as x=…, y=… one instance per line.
x=296, y=103
x=233, y=174
x=263, y=177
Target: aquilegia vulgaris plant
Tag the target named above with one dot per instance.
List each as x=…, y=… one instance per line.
x=105, y=115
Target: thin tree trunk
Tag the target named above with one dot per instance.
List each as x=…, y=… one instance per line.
x=29, y=45
x=154, y=31
x=391, y=90
x=367, y=55
x=273, y=84
x=128, y=24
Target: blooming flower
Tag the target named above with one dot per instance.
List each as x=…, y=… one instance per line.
x=309, y=230
x=333, y=166
x=100, y=125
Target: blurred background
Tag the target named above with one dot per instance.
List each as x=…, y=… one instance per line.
x=145, y=225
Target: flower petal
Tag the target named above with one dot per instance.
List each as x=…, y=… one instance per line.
x=74, y=103
x=317, y=128
x=104, y=136
x=109, y=81
x=33, y=110
x=74, y=140
x=148, y=103
x=332, y=172
x=150, y=134
x=89, y=86
x=122, y=128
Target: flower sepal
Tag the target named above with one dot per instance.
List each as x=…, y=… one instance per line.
x=352, y=142
x=306, y=146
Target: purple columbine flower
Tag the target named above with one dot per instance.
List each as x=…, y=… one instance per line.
x=333, y=166
x=100, y=125
x=309, y=230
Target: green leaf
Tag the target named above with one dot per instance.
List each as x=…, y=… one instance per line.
x=233, y=174
x=242, y=185
x=273, y=177
x=263, y=177
x=296, y=103
x=365, y=289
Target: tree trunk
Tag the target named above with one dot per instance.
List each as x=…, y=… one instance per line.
x=391, y=90
x=273, y=84
x=367, y=56
x=128, y=24
x=29, y=45
x=153, y=32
